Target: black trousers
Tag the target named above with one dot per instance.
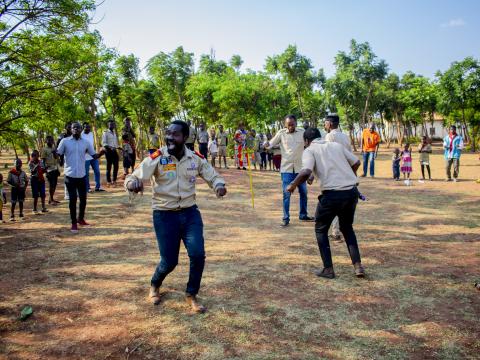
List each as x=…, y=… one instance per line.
x=203, y=147
x=190, y=146
x=112, y=159
x=76, y=186
x=341, y=204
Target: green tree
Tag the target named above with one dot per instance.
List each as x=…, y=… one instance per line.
x=363, y=70
x=459, y=99
x=297, y=71
x=171, y=72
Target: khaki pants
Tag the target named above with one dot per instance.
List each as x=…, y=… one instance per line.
x=456, y=167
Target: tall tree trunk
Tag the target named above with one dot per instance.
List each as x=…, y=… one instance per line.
x=93, y=121
x=300, y=105
x=15, y=150
x=399, y=129
x=365, y=109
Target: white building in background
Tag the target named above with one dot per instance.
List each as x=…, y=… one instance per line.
x=436, y=131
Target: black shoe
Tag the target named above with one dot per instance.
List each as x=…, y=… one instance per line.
x=364, y=175
x=99, y=190
x=238, y=167
x=326, y=273
x=307, y=218
x=244, y=168
x=285, y=223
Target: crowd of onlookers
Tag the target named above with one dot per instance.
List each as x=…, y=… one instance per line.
x=248, y=148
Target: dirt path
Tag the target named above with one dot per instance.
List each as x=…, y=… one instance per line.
x=420, y=246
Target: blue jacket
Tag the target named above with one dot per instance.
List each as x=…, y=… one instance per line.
x=456, y=148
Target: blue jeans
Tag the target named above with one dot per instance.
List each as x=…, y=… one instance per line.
x=171, y=227
x=96, y=171
x=287, y=178
x=396, y=171
x=371, y=156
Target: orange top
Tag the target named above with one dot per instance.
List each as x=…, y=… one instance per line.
x=370, y=140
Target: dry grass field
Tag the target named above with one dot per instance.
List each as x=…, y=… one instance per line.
x=420, y=247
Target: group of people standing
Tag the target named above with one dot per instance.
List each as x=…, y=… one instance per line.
x=402, y=159
x=249, y=147
x=173, y=170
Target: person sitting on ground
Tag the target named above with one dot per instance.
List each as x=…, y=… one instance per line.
x=50, y=161
x=406, y=168
x=425, y=149
x=3, y=198
x=336, y=170
x=37, y=181
x=17, y=179
x=127, y=153
x=396, y=164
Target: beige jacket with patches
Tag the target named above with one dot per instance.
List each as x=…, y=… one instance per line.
x=173, y=181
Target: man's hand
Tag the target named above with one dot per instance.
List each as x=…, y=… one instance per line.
x=221, y=191
x=135, y=185
x=310, y=180
x=291, y=188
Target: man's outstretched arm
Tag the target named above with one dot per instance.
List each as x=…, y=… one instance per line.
x=302, y=176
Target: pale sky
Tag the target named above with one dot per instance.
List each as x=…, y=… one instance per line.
x=419, y=35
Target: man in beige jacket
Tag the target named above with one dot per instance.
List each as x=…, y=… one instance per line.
x=173, y=170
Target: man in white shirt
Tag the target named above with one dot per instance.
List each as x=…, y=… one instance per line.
x=336, y=169
x=74, y=149
x=89, y=161
x=334, y=134
x=110, y=144
x=291, y=144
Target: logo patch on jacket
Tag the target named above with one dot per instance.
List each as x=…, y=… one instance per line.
x=155, y=154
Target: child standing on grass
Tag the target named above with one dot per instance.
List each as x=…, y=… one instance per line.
x=127, y=152
x=425, y=150
x=17, y=179
x=396, y=164
x=3, y=198
x=37, y=181
x=406, y=163
x=213, y=148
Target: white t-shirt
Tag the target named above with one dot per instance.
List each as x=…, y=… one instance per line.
x=89, y=138
x=331, y=163
x=212, y=146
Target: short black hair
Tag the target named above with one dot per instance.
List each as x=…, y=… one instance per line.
x=291, y=116
x=311, y=134
x=333, y=118
x=125, y=137
x=184, y=125
x=453, y=127
x=85, y=124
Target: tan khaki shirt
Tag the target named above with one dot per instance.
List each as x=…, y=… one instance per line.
x=173, y=181
x=291, y=146
x=337, y=136
x=50, y=161
x=331, y=164
x=222, y=139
